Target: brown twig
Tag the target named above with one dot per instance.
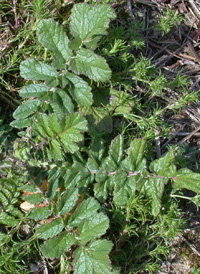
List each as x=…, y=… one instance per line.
x=129, y=7
x=189, y=244
x=194, y=8
x=188, y=136
x=193, y=51
x=175, y=134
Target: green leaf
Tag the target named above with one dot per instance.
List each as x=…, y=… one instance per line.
x=52, y=36
x=164, y=166
x=55, y=100
x=22, y=123
x=90, y=64
x=84, y=210
x=120, y=102
x=67, y=201
x=73, y=124
x=61, y=103
x=153, y=188
x=124, y=188
x=53, y=124
x=28, y=188
x=97, y=149
x=88, y=24
x=41, y=125
x=185, y=178
x=80, y=90
x=33, y=198
x=136, y=154
x=4, y=238
x=66, y=133
x=8, y=220
x=92, y=165
x=115, y=153
x=26, y=109
x=39, y=213
x=99, y=118
x=72, y=177
x=36, y=70
x=51, y=229
x=85, y=179
x=55, y=149
x=34, y=90
x=94, y=259
x=52, y=183
x=93, y=227
x=54, y=248
x=101, y=188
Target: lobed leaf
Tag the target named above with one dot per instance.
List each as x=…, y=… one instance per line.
x=51, y=229
x=101, y=190
x=26, y=109
x=79, y=89
x=72, y=176
x=39, y=213
x=88, y=24
x=28, y=188
x=94, y=259
x=164, y=166
x=93, y=227
x=31, y=69
x=73, y=125
x=136, y=154
x=55, y=99
x=41, y=125
x=60, y=102
x=33, y=198
x=8, y=220
x=54, y=248
x=97, y=149
x=92, y=165
x=67, y=202
x=84, y=210
x=185, y=178
x=90, y=64
x=115, y=153
x=64, y=134
x=21, y=123
x=34, y=90
x=52, y=36
x=53, y=180
x=153, y=188
x=124, y=188
x=99, y=118
x=56, y=151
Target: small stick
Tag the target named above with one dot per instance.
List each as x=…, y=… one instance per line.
x=195, y=8
x=189, y=244
x=188, y=136
x=157, y=143
x=129, y=6
x=175, y=134
x=197, y=81
x=193, y=51
x=195, y=117
x=192, y=228
x=186, y=133
x=15, y=14
x=45, y=269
